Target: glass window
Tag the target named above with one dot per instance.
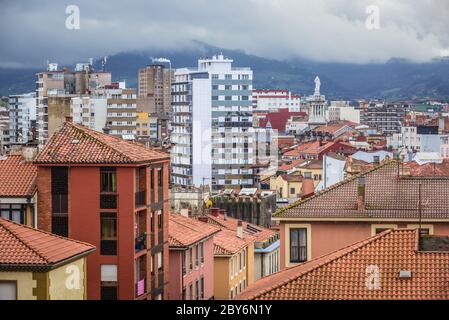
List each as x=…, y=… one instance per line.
x=298, y=245
x=108, y=225
x=108, y=179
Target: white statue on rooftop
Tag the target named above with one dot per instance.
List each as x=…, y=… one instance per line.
x=317, y=86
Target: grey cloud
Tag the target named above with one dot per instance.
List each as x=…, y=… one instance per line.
x=33, y=31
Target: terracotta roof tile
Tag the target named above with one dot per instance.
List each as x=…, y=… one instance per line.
x=386, y=196
x=22, y=246
x=257, y=233
x=227, y=243
x=17, y=177
x=76, y=144
x=343, y=274
x=185, y=231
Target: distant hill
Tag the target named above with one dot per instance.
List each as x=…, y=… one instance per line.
x=396, y=79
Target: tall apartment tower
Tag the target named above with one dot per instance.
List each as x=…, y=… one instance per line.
x=63, y=83
x=154, y=91
x=212, y=125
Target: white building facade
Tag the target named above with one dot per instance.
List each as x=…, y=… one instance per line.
x=272, y=100
x=22, y=112
x=212, y=132
x=89, y=111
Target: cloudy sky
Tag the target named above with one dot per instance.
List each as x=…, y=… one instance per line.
x=325, y=30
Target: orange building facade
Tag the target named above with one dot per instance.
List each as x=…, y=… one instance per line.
x=112, y=194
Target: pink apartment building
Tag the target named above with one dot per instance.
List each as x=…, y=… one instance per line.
x=191, y=258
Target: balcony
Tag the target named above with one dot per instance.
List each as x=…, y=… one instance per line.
x=108, y=201
x=140, y=198
x=141, y=242
x=141, y=287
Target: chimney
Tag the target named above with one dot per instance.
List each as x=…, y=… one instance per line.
x=376, y=160
x=361, y=193
x=69, y=119
x=203, y=219
x=307, y=188
x=240, y=229
x=106, y=130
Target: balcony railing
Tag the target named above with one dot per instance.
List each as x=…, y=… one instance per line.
x=141, y=287
x=140, y=198
x=141, y=242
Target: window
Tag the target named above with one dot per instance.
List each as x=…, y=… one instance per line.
x=190, y=259
x=202, y=288
x=159, y=178
x=197, y=290
x=298, y=245
x=159, y=260
x=108, y=243
x=183, y=262
x=240, y=261
x=183, y=293
x=190, y=291
x=8, y=290
x=202, y=252
x=13, y=212
x=108, y=179
x=292, y=190
x=197, y=258
x=228, y=76
x=244, y=258
x=108, y=282
x=232, y=293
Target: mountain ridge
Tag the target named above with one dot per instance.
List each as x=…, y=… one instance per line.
x=394, y=80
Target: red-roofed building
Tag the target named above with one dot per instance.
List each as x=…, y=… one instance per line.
x=18, y=192
x=112, y=193
x=384, y=197
x=191, y=258
x=278, y=120
x=36, y=265
x=392, y=265
x=317, y=149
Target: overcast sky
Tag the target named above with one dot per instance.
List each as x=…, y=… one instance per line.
x=325, y=30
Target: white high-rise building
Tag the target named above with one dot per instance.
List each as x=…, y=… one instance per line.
x=90, y=111
x=22, y=112
x=212, y=125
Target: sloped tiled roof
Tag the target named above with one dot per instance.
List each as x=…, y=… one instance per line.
x=255, y=232
x=185, y=231
x=227, y=243
x=278, y=120
x=345, y=274
x=17, y=177
x=22, y=246
x=76, y=144
x=387, y=195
